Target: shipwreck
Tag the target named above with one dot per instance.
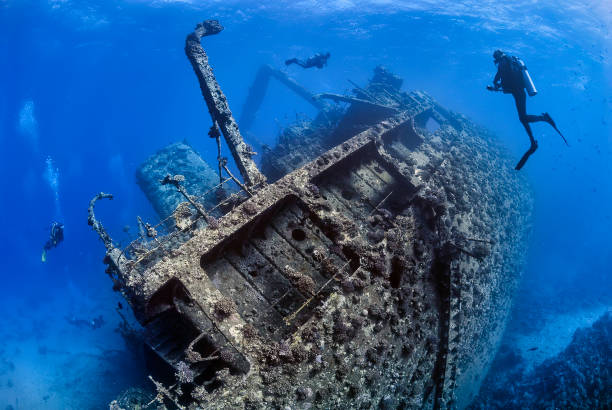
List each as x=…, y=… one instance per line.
x=369, y=261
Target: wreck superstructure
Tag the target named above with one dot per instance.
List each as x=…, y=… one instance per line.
x=374, y=267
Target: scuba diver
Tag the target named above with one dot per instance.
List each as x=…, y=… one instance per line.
x=95, y=323
x=513, y=78
x=319, y=60
x=55, y=237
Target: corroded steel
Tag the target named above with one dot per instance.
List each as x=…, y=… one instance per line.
x=217, y=103
x=350, y=281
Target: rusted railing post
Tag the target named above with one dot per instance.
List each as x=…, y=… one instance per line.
x=176, y=181
x=95, y=224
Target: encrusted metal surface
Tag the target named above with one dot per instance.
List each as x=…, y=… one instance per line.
x=376, y=271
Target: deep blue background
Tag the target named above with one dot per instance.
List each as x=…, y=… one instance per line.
x=110, y=84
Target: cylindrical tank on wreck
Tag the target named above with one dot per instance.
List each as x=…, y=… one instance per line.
x=176, y=159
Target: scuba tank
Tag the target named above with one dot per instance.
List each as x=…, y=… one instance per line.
x=527, y=81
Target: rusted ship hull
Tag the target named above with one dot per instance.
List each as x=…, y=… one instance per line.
x=379, y=274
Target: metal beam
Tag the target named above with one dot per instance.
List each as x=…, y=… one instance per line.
x=217, y=103
x=258, y=90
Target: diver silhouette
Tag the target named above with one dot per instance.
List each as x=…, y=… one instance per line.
x=95, y=323
x=56, y=235
x=513, y=78
x=319, y=60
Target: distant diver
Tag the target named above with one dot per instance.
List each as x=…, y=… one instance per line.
x=95, y=323
x=319, y=60
x=513, y=78
x=56, y=235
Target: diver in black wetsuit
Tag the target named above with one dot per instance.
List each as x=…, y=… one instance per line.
x=95, y=323
x=511, y=79
x=319, y=60
x=55, y=237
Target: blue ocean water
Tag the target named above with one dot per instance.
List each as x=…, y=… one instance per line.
x=89, y=90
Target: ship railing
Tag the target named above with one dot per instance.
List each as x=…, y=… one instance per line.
x=166, y=234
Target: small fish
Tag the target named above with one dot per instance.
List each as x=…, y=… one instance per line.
x=532, y=349
x=119, y=305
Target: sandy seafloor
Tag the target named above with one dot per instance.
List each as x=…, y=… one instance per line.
x=555, y=336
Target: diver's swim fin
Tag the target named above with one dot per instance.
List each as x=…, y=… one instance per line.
x=526, y=155
x=43, y=258
x=564, y=140
x=549, y=120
